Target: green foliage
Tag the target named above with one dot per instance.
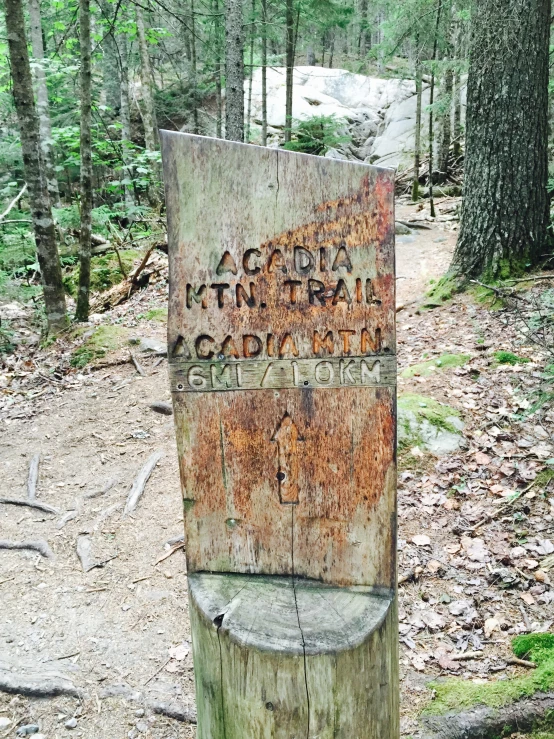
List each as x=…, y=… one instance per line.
x=105, y=271
x=317, y=135
x=441, y=292
x=457, y=693
x=157, y=314
x=97, y=343
x=445, y=361
x=509, y=358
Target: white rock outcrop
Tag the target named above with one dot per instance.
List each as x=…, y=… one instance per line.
x=379, y=113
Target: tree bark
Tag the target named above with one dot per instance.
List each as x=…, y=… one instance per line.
x=250, y=72
x=417, y=147
x=264, y=72
x=218, y=69
x=125, y=115
x=431, y=101
x=194, y=67
x=43, y=223
x=43, y=108
x=148, y=111
x=82, y=310
x=362, y=38
x=234, y=70
x=446, y=126
x=457, y=126
x=290, y=68
x=110, y=67
x=505, y=214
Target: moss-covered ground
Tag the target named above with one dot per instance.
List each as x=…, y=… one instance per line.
x=458, y=694
x=445, y=361
x=102, y=340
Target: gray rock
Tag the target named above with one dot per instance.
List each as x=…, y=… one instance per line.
x=139, y=713
x=4, y=722
x=335, y=154
x=142, y=727
x=429, y=425
x=12, y=311
x=71, y=723
x=401, y=229
x=153, y=346
x=27, y=729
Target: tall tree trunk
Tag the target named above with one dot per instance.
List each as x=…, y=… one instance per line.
x=457, y=126
x=332, y=49
x=82, y=310
x=194, y=67
x=417, y=147
x=290, y=67
x=125, y=115
x=111, y=81
x=251, y=72
x=43, y=223
x=505, y=214
x=264, y=72
x=362, y=38
x=234, y=70
x=431, y=101
x=446, y=126
x=43, y=108
x=146, y=78
x=218, y=70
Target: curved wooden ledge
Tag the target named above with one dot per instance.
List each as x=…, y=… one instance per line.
x=277, y=614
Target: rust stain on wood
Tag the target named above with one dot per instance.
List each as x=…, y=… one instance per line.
x=282, y=350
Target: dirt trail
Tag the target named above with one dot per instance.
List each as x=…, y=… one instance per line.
x=116, y=624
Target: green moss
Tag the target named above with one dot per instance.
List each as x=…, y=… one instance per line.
x=442, y=291
x=422, y=407
x=509, y=358
x=102, y=340
x=445, y=361
x=457, y=693
x=157, y=314
x=104, y=271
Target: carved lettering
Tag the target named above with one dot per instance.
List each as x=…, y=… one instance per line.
x=243, y=297
x=346, y=334
x=325, y=344
x=372, y=375
x=341, y=294
x=195, y=378
x=316, y=289
x=323, y=259
x=228, y=348
x=369, y=345
x=201, y=351
x=342, y=260
x=246, y=261
x=270, y=343
x=304, y=261
x=345, y=370
x=181, y=349
x=370, y=295
x=198, y=296
x=324, y=373
x=220, y=288
x=223, y=379
x=251, y=346
x=276, y=261
x=288, y=346
x=226, y=264
x=293, y=286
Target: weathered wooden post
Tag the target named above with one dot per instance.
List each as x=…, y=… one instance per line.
x=282, y=365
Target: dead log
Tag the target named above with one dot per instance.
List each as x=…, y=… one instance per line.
x=483, y=722
x=39, y=546
x=32, y=480
x=135, y=494
x=30, y=504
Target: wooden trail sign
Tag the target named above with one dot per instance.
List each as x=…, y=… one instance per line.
x=281, y=345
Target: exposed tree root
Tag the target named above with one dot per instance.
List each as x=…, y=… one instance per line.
x=483, y=722
x=37, y=682
x=39, y=546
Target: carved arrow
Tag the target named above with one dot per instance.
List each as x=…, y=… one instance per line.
x=287, y=437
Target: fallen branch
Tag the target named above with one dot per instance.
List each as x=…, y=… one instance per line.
x=139, y=484
x=139, y=368
x=166, y=555
x=14, y=201
x=32, y=479
x=30, y=504
x=39, y=546
x=166, y=409
x=521, y=663
x=483, y=722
